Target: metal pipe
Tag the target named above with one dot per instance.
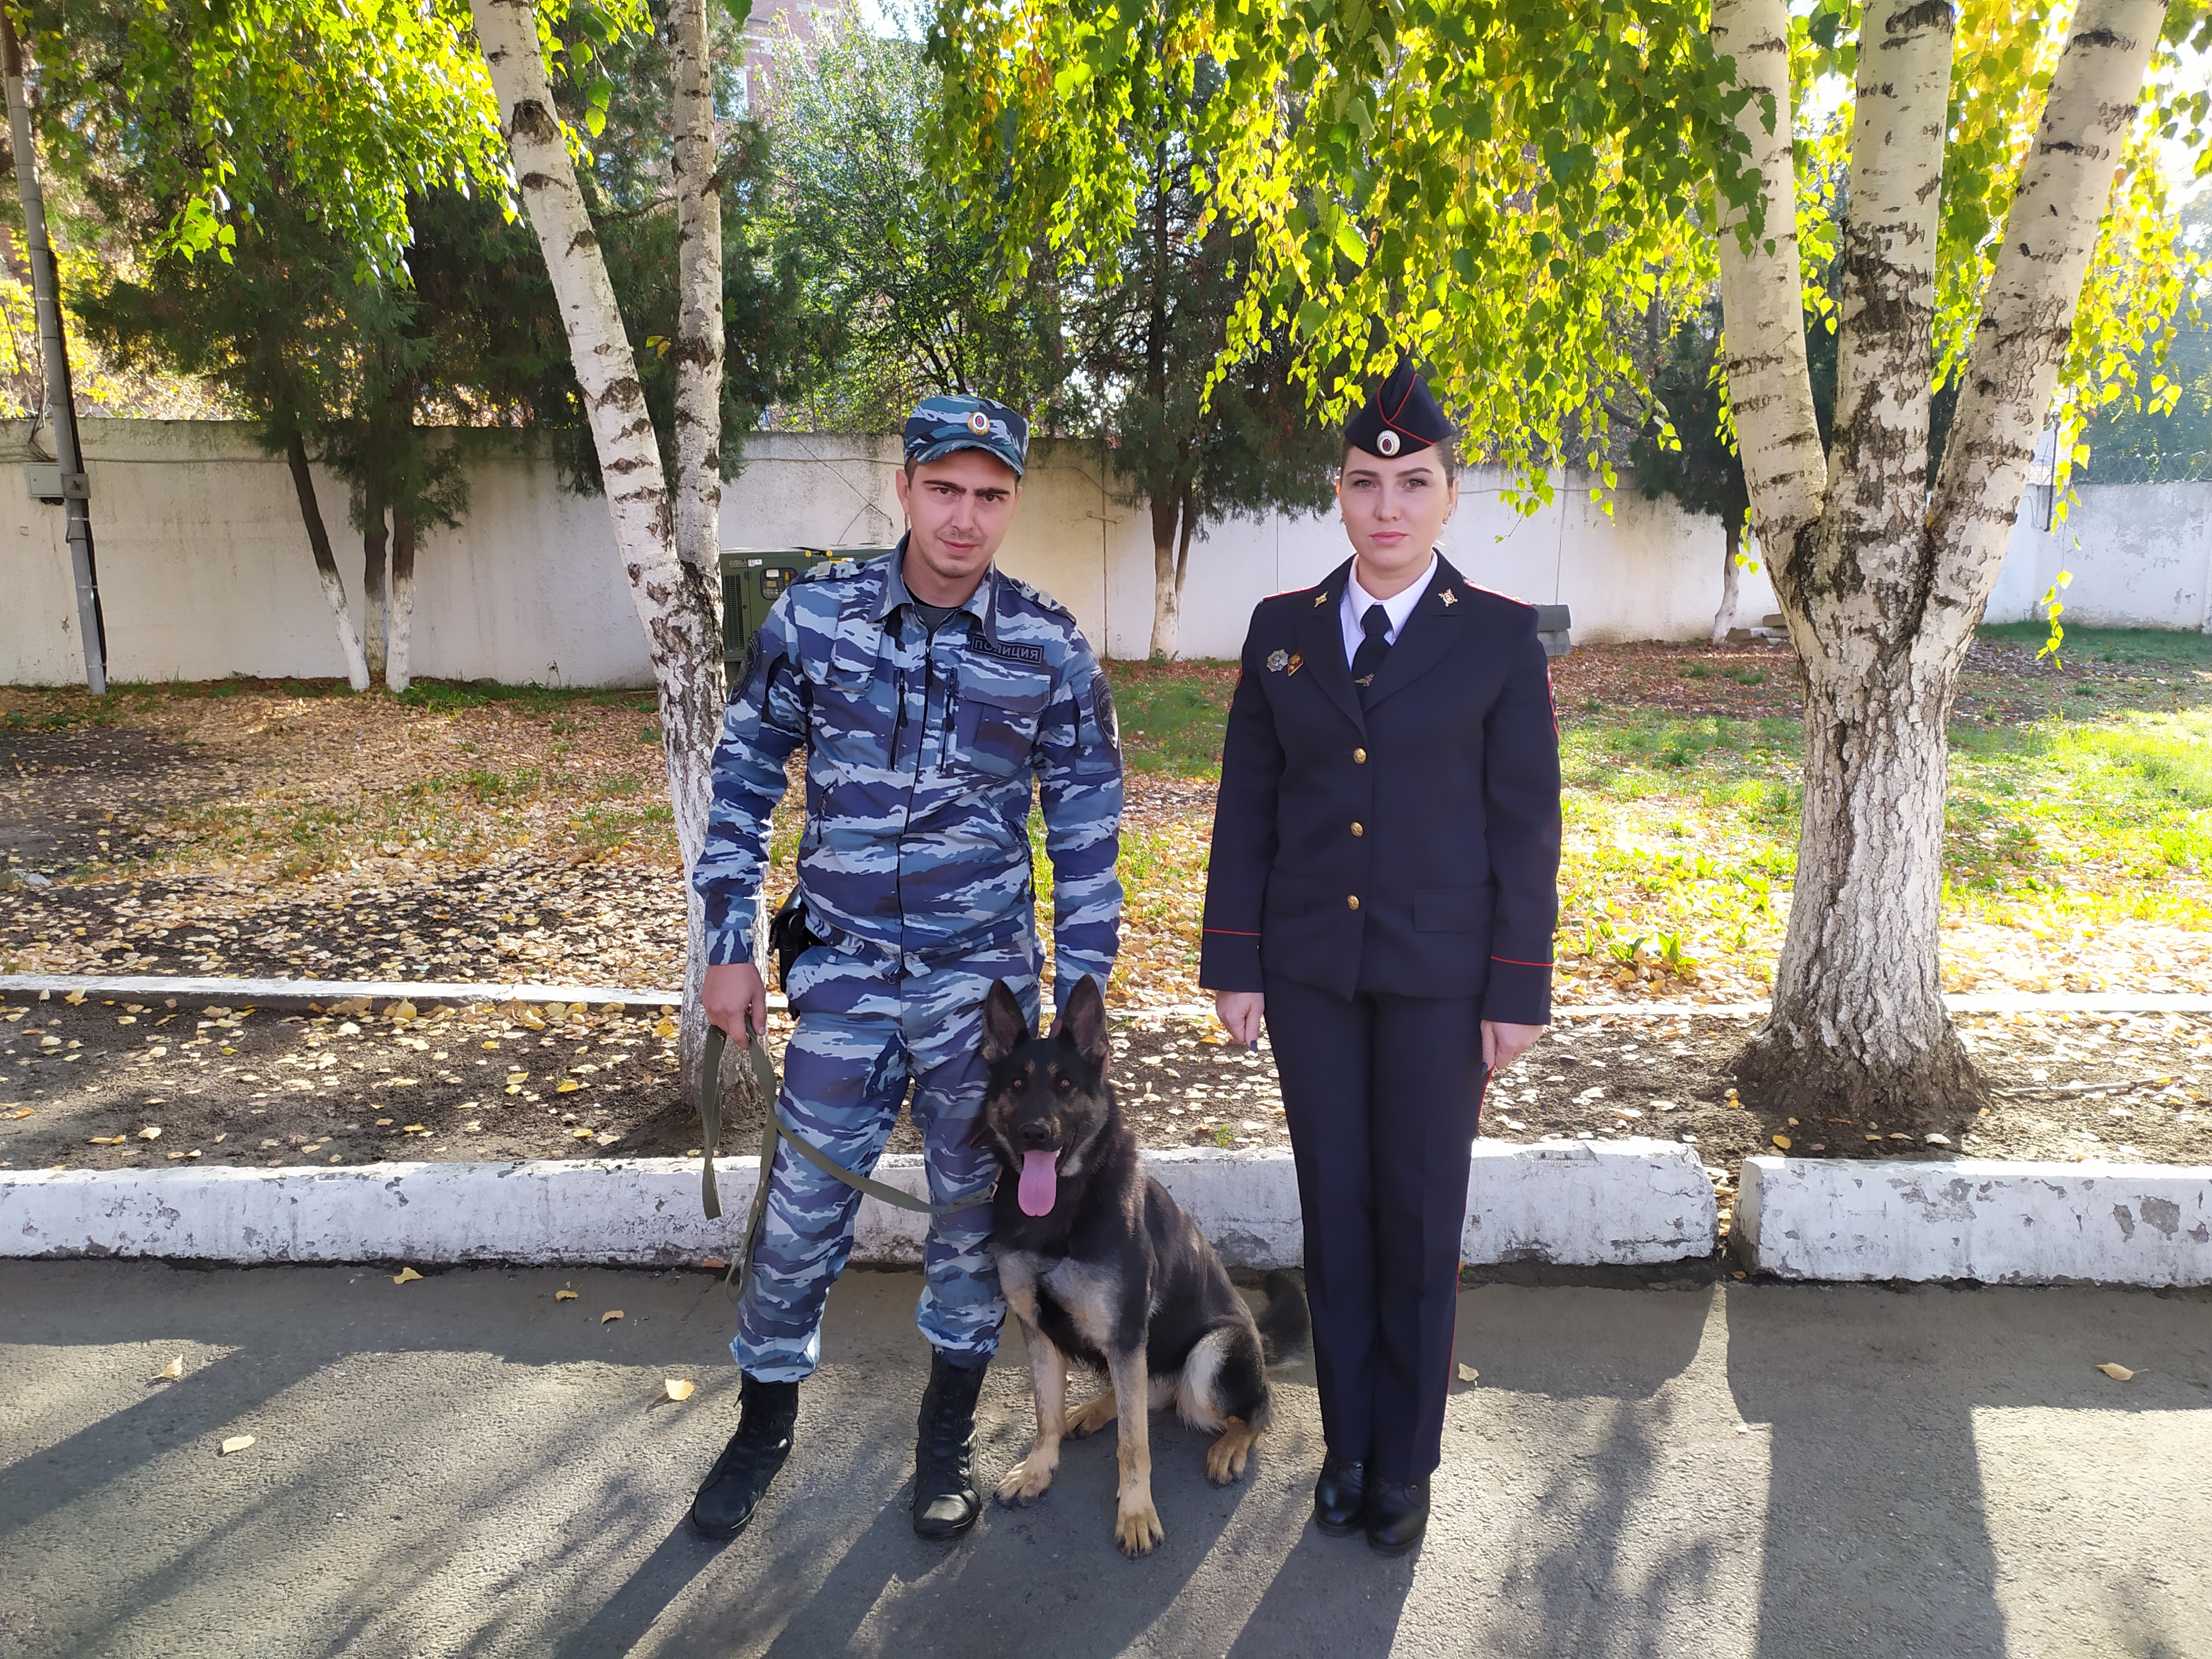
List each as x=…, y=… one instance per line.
x=61, y=398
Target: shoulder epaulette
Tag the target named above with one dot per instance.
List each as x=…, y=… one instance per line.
x=1492, y=593
x=1035, y=595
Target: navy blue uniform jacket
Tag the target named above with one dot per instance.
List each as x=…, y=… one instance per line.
x=1412, y=847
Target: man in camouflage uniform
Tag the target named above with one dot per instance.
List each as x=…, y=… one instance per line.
x=929, y=689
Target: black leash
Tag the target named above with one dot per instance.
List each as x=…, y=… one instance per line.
x=710, y=1128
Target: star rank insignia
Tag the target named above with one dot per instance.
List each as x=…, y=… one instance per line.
x=1321, y=599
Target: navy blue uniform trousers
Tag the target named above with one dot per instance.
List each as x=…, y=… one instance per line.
x=1382, y=1094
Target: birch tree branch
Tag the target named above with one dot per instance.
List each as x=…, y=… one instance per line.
x=2027, y=313
x=1770, y=387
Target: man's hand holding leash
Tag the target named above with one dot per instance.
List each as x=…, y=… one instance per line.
x=734, y=989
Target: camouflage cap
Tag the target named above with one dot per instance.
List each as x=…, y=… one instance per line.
x=952, y=420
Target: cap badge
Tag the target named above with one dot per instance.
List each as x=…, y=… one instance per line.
x=979, y=423
x=1276, y=661
x=1387, y=443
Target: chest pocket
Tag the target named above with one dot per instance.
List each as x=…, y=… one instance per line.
x=996, y=725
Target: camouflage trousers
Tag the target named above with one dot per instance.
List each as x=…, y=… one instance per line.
x=868, y=1028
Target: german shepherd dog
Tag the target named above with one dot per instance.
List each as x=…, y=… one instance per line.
x=1098, y=1262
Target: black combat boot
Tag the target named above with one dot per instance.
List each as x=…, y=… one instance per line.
x=734, y=1487
x=945, y=1503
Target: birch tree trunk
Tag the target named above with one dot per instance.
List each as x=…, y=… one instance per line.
x=326, y=564
x=1883, y=594
x=374, y=539
x=698, y=348
x=1731, y=549
x=676, y=601
x=397, y=678
x=1167, y=589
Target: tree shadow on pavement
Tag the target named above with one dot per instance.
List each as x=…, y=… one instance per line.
x=1950, y=1476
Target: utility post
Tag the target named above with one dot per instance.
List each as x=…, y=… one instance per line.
x=61, y=399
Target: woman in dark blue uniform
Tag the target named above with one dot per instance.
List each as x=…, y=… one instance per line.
x=1383, y=893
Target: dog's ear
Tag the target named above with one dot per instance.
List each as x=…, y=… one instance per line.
x=1005, y=1027
x=1083, y=1023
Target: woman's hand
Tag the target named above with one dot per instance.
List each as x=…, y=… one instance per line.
x=1501, y=1044
x=1240, y=1014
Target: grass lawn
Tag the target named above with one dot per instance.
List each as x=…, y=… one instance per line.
x=2078, y=849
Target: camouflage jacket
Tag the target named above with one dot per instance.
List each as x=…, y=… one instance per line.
x=919, y=754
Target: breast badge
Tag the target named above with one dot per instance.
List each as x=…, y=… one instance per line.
x=1276, y=661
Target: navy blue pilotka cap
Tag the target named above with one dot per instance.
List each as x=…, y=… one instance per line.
x=1402, y=418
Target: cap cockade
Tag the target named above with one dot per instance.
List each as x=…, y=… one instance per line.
x=1402, y=418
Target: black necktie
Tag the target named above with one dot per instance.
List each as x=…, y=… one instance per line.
x=1372, y=650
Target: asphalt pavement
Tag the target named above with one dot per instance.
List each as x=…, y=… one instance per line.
x=465, y=1465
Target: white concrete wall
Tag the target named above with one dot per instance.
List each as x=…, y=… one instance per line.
x=204, y=569
x=2140, y=555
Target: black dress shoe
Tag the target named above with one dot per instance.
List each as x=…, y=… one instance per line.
x=1339, y=1496
x=946, y=1502
x=767, y=1412
x=1397, y=1515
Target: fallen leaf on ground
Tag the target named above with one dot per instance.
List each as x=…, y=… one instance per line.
x=1782, y=1141
x=664, y=1030
x=581, y=1135
x=564, y=1296
x=172, y=1371
x=612, y=1313
x=679, y=1387
x=405, y=1276
x=567, y=1086
x=75, y=999
x=106, y=1140
x=1467, y=1373
x=237, y=1443
x=151, y=1132
x=401, y=1010
x=714, y=1261
x=23, y=1111
x=2118, y=1373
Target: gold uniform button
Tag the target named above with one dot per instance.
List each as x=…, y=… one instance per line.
x=1359, y=757
x=1351, y=901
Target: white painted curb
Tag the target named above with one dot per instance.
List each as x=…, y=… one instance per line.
x=1996, y=1222
x=1570, y=1203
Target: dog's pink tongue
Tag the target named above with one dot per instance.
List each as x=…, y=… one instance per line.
x=1040, y=1182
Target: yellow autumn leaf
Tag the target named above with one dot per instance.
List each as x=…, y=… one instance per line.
x=679, y=1387
x=24, y=1111
x=405, y=1276
x=2118, y=1373
x=567, y=1086
x=610, y=1313
x=106, y=1140
x=75, y=999
x=401, y=1010
x=580, y=1135
x=517, y=1077
x=151, y=1132
x=237, y=1443
x=1782, y=1141
x=413, y=1130
x=1467, y=1373
x=564, y=1296
x=664, y=1030
x=529, y=1021
x=172, y=1371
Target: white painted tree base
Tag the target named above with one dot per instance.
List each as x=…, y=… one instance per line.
x=1999, y=1223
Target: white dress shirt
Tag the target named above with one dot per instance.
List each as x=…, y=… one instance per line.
x=1399, y=606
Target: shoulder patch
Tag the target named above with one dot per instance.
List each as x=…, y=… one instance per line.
x=829, y=570
x=1035, y=595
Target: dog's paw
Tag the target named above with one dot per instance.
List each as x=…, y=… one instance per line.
x=1226, y=1457
x=1092, y=1416
x=1138, y=1530
x=1025, y=1483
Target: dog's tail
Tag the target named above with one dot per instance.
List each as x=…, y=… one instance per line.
x=1286, y=1325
